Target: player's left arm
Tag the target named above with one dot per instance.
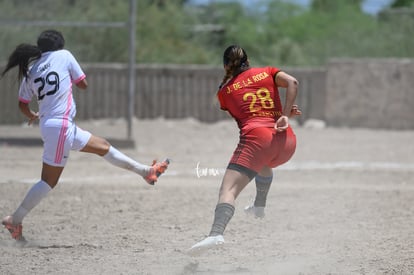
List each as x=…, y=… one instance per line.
x=295, y=111
x=83, y=84
x=291, y=84
x=76, y=73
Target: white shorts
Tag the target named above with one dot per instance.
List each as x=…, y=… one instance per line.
x=59, y=137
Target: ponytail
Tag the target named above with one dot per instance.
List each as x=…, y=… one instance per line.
x=235, y=59
x=22, y=56
x=226, y=77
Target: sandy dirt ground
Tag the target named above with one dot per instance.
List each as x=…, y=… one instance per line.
x=342, y=205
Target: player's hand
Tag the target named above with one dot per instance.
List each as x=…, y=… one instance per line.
x=34, y=117
x=282, y=124
x=295, y=111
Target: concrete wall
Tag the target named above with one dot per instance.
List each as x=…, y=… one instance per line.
x=373, y=93
x=169, y=91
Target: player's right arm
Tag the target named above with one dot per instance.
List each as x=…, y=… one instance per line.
x=25, y=96
x=25, y=109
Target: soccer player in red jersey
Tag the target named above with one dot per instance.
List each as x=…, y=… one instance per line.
x=251, y=96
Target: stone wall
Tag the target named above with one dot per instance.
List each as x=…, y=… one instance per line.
x=372, y=93
x=169, y=91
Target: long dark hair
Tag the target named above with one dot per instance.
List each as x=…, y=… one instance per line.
x=24, y=54
x=236, y=60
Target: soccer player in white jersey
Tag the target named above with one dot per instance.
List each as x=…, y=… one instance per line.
x=47, y=72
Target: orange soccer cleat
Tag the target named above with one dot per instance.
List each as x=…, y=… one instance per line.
x=156, y=171
x=16, y=230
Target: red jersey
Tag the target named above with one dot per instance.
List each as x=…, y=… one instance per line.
x=252, y=98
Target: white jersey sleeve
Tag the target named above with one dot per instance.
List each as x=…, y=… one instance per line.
x=25, y=93
x=75, y=70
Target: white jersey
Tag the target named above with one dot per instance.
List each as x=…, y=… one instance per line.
x=50, y=80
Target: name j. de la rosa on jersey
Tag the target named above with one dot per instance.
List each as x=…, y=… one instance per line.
x=245, y=83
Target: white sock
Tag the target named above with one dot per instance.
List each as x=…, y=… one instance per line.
x=117, y=158
x=33, y=197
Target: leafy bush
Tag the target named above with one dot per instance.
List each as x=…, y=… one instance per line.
x=272, y=31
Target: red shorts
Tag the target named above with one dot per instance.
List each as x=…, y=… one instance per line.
x=262, y=147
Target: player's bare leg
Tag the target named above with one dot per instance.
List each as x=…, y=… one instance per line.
x=233, y=183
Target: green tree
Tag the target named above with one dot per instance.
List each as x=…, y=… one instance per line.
x=402, y=4
x=333, y=6
x=272, y=31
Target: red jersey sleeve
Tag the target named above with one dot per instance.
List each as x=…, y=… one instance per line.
x=274, y=71
x=221, y=100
